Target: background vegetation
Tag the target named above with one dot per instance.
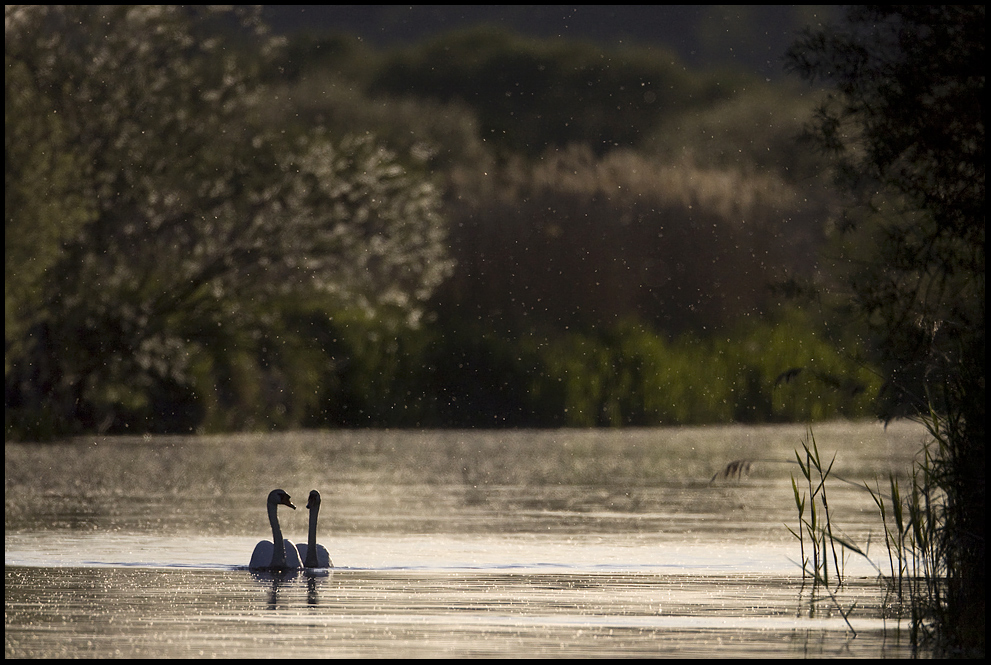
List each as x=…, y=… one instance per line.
x=209, y=228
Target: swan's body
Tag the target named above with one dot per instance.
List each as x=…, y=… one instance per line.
x=313, y=555
x=279, y=553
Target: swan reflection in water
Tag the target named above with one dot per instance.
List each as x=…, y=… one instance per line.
x=284, y=581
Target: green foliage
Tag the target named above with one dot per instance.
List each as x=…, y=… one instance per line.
x=190, y=229
x=43, y=207
x=374, y=373
x=628, y=375
x=467, y=375
x=631, y=376
x=190, y=248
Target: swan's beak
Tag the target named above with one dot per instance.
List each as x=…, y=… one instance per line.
x=287, y=502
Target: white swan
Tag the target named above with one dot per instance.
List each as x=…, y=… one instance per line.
x=313, y=555
x=279, y=553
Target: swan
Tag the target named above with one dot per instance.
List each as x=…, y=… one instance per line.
x=279, y=553
x=313, y=555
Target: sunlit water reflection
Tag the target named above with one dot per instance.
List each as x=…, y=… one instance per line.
x=566, y=543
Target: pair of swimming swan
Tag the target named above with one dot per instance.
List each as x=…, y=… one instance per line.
x=280, y=553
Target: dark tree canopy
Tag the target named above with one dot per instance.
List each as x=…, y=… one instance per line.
x=906, y=127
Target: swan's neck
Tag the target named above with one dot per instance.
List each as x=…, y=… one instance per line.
x=279, y=547
x=311, y=539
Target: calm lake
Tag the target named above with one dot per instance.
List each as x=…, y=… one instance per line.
x=513, y=543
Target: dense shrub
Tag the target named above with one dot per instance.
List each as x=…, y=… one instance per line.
x=623, y=375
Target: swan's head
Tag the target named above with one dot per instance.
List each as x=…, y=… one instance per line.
x=314, y=500
x=280, y=497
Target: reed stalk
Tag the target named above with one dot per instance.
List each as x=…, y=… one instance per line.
x=916, y=531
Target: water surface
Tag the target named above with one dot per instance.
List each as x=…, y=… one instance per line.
x=455, y=543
